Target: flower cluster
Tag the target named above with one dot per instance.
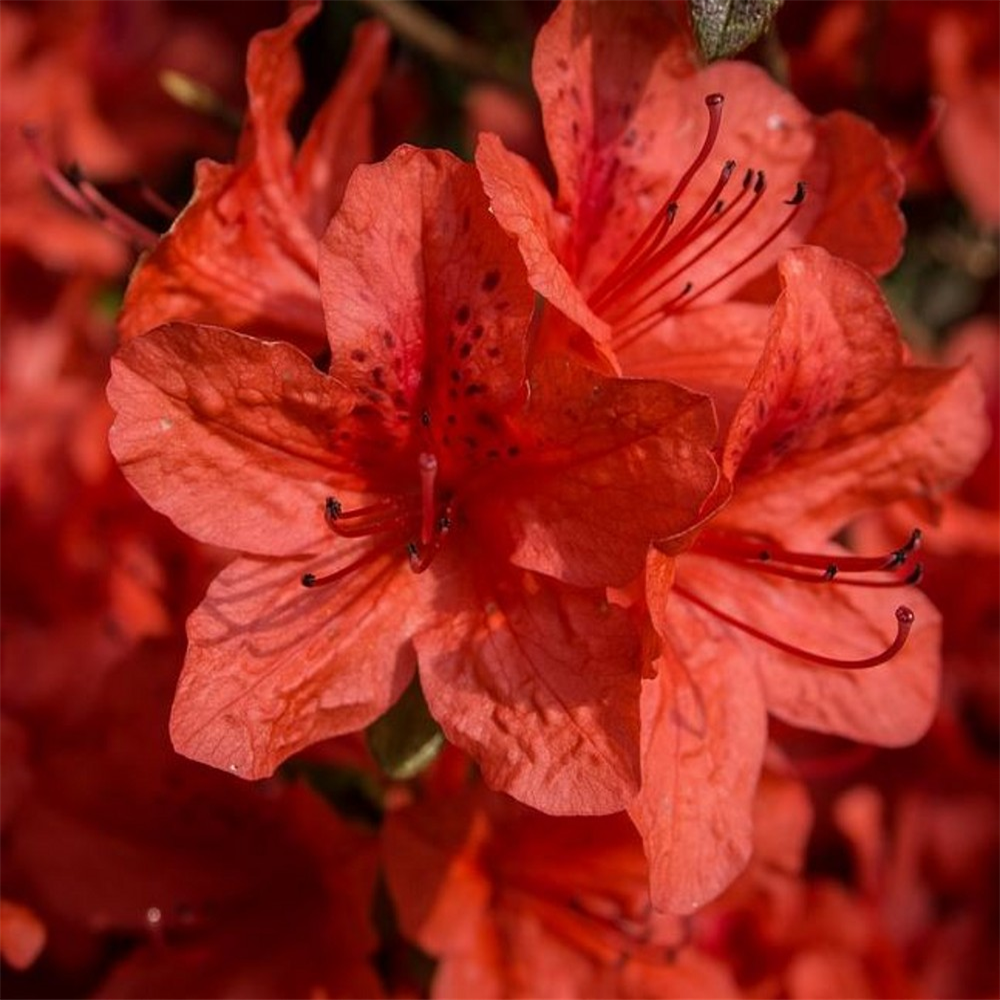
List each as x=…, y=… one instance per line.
x=550, y=530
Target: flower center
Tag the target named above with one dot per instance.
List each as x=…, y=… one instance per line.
x=646, y=285
x=412, y=522
x=811, y=568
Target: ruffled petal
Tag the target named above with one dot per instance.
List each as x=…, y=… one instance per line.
x=524, y=208
x=539, y=683
x=228, y=436
x=704, y=730
x=614, y=465
x=425, y=295
x=243, y=254
x=273, y=666
x=834, y=422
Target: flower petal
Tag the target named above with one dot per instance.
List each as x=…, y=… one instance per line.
x=273, y=666
x=615, y=464
x=243, y=253
x=703, y=735
x=539, y=683
x=833, y=423
x=524, y=208
x=860, y=218
x=425, y=295
x=625, y=117
x=227, y=435
x=888, y=705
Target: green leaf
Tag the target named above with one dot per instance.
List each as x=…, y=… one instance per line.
x=406, y=739
x=725, y=27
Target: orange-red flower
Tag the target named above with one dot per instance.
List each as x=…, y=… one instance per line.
x=433, y=501
x=764, y=612
x=205, y=886
x=244, y=253
x=516, y=904
x=662, y=210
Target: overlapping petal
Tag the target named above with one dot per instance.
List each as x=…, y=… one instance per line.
x=834, y=422
x=703, y=734
x=624, y=110
x=231, y=437
x=539, y=682
x=273, y=666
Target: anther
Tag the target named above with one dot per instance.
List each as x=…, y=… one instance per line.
x=308, y=579
x=800, y=194
x=830, y=572
x=333, y=508
x=900, y=555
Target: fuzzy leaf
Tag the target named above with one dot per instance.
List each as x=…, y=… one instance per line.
x=725, y=27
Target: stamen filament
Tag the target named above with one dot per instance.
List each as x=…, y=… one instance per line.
x=371, y=519
x=623, y=295
x=795, y=202
x=737, y=547
x=904, y=622
x=663, y=310
x=311, y=580
x=657, y=227
x=428, y=473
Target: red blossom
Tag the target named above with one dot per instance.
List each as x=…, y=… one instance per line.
x=516, y=904
x=243, y=253
x=662, y=210
x=833, y=422
x=445, y=502
x=209, y=886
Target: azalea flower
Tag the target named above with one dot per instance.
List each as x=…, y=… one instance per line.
x=763, y=613
x=677, y=186
x=514, y=903
x=244, y=252
x=947, y=89
x=435, y=501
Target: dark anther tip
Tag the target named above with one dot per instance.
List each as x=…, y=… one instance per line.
x=800, y=194
x=308, y=579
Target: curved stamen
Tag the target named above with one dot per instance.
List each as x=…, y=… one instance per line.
x=312, y=580
x=625, y=294
x=657, y=227
x=758, y=191
x=833, y=574
x=795, y=203
x=81, y=194
x=904, y=622
x=391, y=512
x=741, y=547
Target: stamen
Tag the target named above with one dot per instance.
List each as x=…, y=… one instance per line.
x=624, y=294
x=391, y=512
x=904, y=622
x=657, y=227
x=649, y=319
x=738, y=547
x=312, y=580
x=82, y=195
x=796, y=202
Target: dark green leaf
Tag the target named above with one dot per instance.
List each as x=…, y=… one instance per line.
x=725, y=27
